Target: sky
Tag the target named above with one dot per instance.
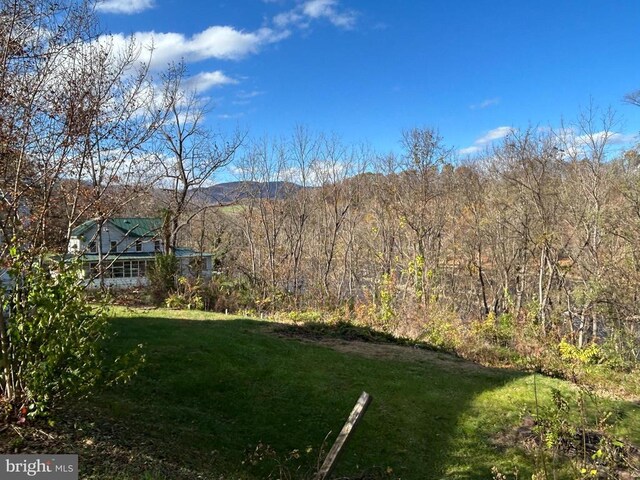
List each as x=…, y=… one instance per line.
x=367, y=70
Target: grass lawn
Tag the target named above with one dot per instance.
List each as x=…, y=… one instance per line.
x=214, y=387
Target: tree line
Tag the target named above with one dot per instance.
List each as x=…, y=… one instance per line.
x=543, y=225
x=539, y=230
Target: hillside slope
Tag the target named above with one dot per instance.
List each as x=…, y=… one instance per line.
x=224, y=397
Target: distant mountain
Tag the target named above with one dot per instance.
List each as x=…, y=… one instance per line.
x=231, y=192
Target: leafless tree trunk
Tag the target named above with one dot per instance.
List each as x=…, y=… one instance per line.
x=189, y=154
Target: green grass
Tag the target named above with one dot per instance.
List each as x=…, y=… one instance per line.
x=232, y=209
x=213, y=387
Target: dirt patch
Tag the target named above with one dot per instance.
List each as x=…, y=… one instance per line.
x=403, y=354
x=380, y=348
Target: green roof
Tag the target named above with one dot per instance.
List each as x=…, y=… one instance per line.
x=138, y=227
x=82, y=228
x=132, y=226
x=188, y=252
x=94, y=257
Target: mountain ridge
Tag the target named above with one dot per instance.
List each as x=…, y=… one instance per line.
x=230, y=192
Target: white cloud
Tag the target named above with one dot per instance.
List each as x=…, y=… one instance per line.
x=623, y=139
x=229, y=43
x=574, y=145
x=221, y=42
x=469, y=150
x=570, y=143
x=251, y=94
x=292, y=17
x=203, y=81
x=489, y=102
x=230, y=116
x=604, y=137
x=486, y=139
x=492, y=135
x=327, y=9
x=244, y=97
x=319, y=172
x=317, y=10
x=327, y=172
x=124, y=6
x=217, y=42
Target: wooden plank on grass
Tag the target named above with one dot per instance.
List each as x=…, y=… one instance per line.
x=356, y=414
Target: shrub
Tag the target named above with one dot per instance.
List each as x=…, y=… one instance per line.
x=442, y=328
x=577, y=432
x=52, y=338
x=378, y=309
x=587, y=355
x=188, y=294
x=162, y=277
x=495, y=329
x=441, y=334
x=226, y=294
x=304, y=316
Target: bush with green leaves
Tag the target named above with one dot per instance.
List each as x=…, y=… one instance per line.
x=223, y=293
x=162, y=276
x=52, y=338
x=575, y=440
x=188, y=294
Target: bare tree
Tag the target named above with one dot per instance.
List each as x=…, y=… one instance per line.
x=633, y=98
x=590, y=189
x=417, y=200
x=73, y=130
x=529, y=163
x=302, y=153
x=189, y=154
x=332, y=169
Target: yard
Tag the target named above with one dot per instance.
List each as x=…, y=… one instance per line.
x=226, y=397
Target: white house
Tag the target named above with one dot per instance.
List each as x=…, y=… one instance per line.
x=119, y=254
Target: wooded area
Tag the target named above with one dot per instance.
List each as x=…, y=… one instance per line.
x=542, y=228
x=537, y=235
x=524, y=255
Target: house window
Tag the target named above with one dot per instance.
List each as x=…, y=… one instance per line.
x=92, y=247
x=126, y=269
x=138, y=269
x=117, y=270
x=114, y=247
x=157, y=246
x=138, y=245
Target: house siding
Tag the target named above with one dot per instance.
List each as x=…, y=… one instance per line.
x=110, y=233
x=127, y=267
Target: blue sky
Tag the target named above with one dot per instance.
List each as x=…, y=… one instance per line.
x=369, y=69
